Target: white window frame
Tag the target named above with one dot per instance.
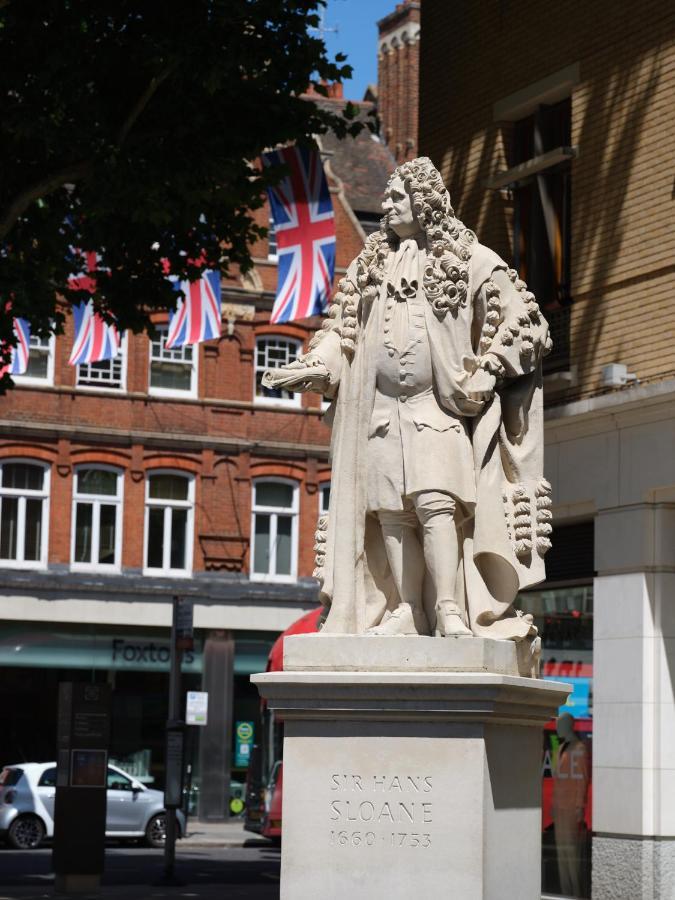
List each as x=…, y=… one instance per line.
x=48, y=381
x=194, y=371
x=168, y=505
x=323, y=510
x=274, y=512
x=293, y=402
x=272, y=256
x=123, y=356
x=44, y=494
x=97, y=500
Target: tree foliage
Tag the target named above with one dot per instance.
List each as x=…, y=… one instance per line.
x=130, y=127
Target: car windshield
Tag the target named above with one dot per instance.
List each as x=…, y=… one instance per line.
x=10, y=776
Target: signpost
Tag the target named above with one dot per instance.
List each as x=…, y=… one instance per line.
x=181, y=639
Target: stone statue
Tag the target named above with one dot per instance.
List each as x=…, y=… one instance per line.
x=431, y=352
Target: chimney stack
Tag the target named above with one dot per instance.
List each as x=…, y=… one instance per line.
x=398, y=78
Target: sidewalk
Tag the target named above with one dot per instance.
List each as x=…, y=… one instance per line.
x=219, y=834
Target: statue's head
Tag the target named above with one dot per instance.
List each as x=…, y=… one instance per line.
x=416, y=198
x=417, y=202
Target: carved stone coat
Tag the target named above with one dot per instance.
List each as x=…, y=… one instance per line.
x=504, y=532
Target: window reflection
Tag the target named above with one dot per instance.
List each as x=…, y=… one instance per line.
x=564, y=617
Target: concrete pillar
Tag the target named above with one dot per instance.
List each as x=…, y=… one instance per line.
x=215, y=739
x=634, y=704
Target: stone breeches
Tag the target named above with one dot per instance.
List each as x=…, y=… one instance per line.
x=407, y=456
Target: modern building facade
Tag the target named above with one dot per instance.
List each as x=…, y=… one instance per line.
x=553, y=129
x=163, y=473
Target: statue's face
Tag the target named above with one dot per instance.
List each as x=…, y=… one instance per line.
x=397, y=207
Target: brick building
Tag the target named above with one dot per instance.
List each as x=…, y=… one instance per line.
x=398, y=55
x=166, y=472
x=553, y=129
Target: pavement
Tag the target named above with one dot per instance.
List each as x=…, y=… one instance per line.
x=219, y=834
x=136, y=873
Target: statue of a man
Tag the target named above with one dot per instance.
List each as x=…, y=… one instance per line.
x=439, y=512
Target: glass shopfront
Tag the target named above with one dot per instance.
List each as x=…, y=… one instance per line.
x=563, y=613
x=34, y=659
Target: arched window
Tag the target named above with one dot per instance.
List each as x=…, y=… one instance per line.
x=24, y=496
x=274, y=530
x=169, y=518
x=97, y=515
x=272, y=351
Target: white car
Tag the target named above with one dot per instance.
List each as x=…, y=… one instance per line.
x=27, y=792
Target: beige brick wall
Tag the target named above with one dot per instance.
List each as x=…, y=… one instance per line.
x=623, y=182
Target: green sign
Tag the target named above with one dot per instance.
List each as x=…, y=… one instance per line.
x=243, y=741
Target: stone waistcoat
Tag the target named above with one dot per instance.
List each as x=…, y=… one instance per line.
x=414, y=444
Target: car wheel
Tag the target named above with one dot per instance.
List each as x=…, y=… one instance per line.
x=155, y=832
x=26, y=833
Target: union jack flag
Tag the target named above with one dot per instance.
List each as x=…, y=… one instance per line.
x=86, y=281
x=94, y=339
x=197, y=317
x=19, y=359
x=305, y=230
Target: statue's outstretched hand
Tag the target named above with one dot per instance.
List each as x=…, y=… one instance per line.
x=307, y=373
x=481, y=385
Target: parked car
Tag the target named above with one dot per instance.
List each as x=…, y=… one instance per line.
x=28, y=791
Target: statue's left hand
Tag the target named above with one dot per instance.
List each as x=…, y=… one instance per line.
x=480, y=385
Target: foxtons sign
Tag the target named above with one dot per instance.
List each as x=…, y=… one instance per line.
x=76, y=650
x=148, y=652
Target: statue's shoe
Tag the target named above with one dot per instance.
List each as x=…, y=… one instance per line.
x=401, y=621
x=449, y=622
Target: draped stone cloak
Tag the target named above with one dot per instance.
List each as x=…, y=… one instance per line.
x=503, y=529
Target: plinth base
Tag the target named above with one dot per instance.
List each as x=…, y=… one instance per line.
x=400, y=783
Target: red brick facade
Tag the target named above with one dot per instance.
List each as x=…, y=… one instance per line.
x=398, y=78
x=223, y=436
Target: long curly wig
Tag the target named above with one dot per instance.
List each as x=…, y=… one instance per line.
x=449, y=244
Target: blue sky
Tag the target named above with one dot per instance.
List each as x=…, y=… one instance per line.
x=356, y=36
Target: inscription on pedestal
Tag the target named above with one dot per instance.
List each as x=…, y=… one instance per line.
x=368, y=810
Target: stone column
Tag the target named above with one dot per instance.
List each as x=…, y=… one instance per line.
x=412, y=767
x=634, y=704
x=215, y=738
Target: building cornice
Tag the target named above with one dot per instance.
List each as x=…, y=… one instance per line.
x=176, y=440
x=633, y=405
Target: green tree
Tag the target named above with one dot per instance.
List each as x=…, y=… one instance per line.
x=129, y=127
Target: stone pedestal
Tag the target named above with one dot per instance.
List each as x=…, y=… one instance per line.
x=412, y=767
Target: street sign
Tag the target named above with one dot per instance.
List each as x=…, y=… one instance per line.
x=196, y=708
x=184, y=623
x=173, y=789
x=243, y=734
